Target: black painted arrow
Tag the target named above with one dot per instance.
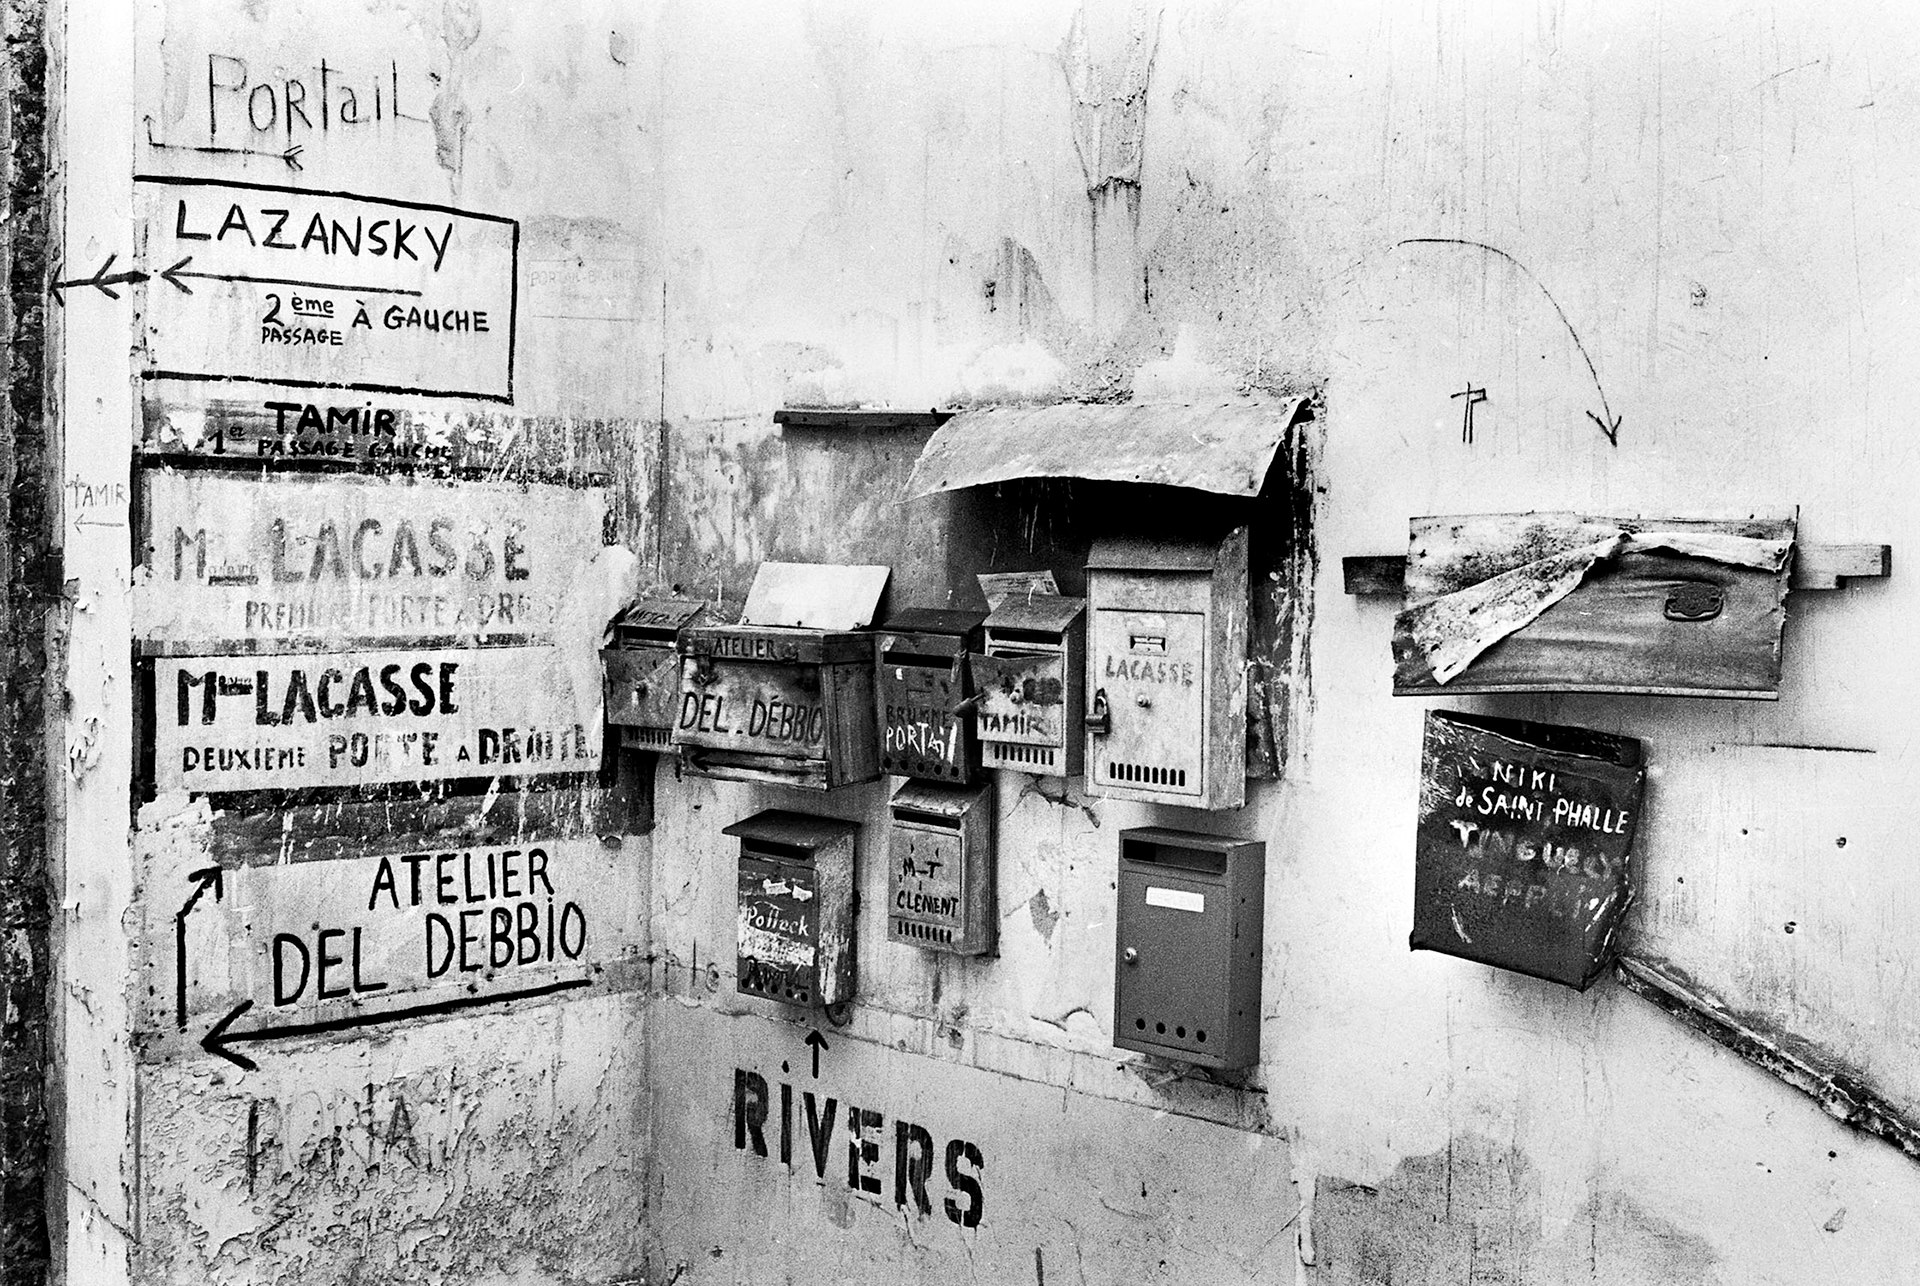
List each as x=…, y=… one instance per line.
x=175, y=275
x=203, y=879
x=101, y=281
x=819, y=1042
x=219, y=1036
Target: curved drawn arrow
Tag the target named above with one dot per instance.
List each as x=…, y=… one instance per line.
x=1609, y=422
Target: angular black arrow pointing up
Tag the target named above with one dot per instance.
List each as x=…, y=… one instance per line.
x=219, y=1037
x=818, y=1042
x=203, y=879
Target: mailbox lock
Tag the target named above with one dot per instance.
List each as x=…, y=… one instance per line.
x=1131, y=955
x=1144, y=701
x=1100, y=718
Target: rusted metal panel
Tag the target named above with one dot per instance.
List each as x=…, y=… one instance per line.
x=940, y=874
x=926, y=724
x=1224, y=447
x=1523, y=853
x=1570, y=603
x=795, y=939
x=1167, y=673
x=1188, y=947
x=225, y=723
x=233, y=564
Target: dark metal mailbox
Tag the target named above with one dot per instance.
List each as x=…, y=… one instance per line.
x=1031, y=680
x=926, y=725
x=1167, y=671
x=643, y=670
x=774, y=700
x=795, y=941
x=940, y=880
x=1187, y=966
x=1523, y=855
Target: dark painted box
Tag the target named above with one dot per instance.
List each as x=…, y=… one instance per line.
x=1188, y=946
x=643, y=670
x=1524, y=848
x=795, y=936
x=926, y=720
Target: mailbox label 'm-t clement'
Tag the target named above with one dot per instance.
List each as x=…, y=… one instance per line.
x=1524, y=844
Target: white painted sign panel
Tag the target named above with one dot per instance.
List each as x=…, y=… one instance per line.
x=362, y=718
x=308, y=945
x=309, y=289
x=297, y=562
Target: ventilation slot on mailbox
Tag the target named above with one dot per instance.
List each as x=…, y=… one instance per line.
x=1008, y=752
x=647, y=738
x=920, y=932
x=1148, y=774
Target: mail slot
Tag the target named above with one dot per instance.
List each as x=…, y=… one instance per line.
x=643, y=670
x=1167, y=671
x=1523, y=852
x=795, y=941
x=1187, y=967
x=1031, y=683
x=940, y=881
x=768, y=700
x=926, y=720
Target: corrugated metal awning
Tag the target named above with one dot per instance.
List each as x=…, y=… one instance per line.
x=1225, y=447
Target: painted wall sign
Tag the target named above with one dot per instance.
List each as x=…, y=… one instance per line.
x=313, y=289
x=280, y=947
x=362, y=718
x=1523, y=844
x=297, y=562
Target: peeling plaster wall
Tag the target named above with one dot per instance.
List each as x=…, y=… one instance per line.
x=1687, y=289
x=497, y=1143
x=1694, y=220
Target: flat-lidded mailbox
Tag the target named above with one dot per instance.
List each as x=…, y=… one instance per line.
x=926, y=723
x=940, y=876
x=1166, y=671
x=1187, y=966
x=1523, y=856
x=795, y=940
x=643, y=670
x=1031, y=680
x=786, y=695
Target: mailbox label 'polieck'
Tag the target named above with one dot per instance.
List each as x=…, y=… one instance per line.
x=1524, y=844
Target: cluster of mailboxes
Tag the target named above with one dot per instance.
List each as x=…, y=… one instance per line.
x=1139, y=687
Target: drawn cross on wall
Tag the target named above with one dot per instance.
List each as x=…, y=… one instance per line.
x=1472, y=395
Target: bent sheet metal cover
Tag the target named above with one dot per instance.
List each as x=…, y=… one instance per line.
x=1523, y=848
x=1222, y=446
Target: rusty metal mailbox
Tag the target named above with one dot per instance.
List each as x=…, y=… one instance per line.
x=1031, y=680
x=1523, y=851
x=1187, y=967
x=1167, y=671
x=643, y=670
x=785, y=696
x=926, y=721
x=940, y=877
x=795, y=940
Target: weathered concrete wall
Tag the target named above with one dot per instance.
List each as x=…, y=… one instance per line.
x=1044, y=201
x=1668, y=245
x=480, y=1115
